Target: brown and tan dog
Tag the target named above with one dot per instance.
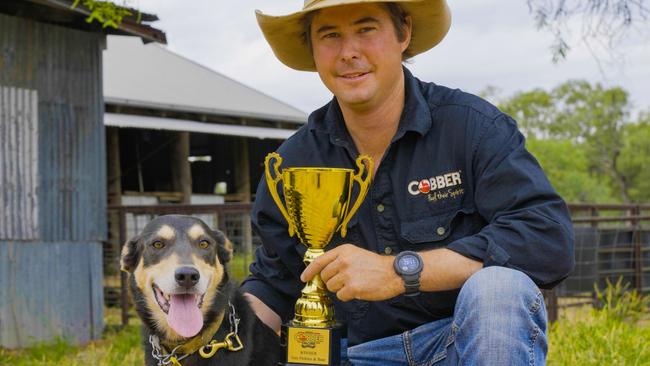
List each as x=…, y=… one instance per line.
x=186, y=301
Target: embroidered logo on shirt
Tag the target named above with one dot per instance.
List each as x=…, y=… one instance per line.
x=434, y=184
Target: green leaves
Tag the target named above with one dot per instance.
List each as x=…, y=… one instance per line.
x=104, y=12
x=586, y=140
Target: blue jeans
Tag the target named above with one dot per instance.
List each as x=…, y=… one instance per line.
x=499, y=319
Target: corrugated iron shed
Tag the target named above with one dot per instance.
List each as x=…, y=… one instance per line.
x=52, y=177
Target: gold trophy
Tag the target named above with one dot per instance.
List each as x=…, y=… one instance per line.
x=317, y=205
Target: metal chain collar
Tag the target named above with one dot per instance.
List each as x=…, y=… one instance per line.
x=206, y=351
x=231, y=342
x=233, y=319
x=164, y=359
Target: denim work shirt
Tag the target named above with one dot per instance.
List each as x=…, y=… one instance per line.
x=456, y=175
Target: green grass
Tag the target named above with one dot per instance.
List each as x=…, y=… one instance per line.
x=617, y=334
x=118, y=347
x=595, y=339
x=238, y=267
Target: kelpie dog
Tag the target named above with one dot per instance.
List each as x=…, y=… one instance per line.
x=192, y=313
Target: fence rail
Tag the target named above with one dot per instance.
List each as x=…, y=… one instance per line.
x=612, y=241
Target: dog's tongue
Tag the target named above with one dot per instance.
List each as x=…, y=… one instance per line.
x=184, y=315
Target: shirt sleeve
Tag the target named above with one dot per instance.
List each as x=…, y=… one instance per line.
x=275, y=273
x=529, y=226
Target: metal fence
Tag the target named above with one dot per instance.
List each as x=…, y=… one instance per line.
x=611, y=241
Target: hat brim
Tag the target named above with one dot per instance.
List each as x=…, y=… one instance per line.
x=431, y=20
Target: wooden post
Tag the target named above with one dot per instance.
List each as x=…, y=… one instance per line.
x=114, y=189
x=124, y=298
x=550, y=296
x=636, y=245
x=243, y=186
x=181, y=173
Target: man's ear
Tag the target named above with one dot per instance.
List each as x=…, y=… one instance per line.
x=408, y=31
x=130, y=255
x=224, y=247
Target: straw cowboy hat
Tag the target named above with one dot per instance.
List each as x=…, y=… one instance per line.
x=431, y=20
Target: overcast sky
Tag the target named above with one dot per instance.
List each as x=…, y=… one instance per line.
x=491, y=43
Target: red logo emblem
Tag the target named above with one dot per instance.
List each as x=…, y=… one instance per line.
x=424, y=186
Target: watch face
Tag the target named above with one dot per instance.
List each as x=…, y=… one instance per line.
x=409, y=264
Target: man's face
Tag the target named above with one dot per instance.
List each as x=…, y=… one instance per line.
x=357, y=53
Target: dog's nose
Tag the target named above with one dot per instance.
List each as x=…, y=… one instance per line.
x=187, y=276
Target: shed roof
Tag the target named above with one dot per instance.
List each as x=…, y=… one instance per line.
x=173, y=124
x=153, y=77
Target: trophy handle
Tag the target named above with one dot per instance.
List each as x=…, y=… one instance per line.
x=272, y=183
x=363, y=189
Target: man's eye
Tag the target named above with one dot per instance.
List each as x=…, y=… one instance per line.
x=366, y=29
x=331, y=35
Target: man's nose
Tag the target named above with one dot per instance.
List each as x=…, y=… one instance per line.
x=349, y=49
x=187, y=276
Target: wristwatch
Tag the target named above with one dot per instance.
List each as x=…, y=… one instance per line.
x=408, y=265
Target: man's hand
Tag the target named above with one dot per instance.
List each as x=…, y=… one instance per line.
x=355, y=273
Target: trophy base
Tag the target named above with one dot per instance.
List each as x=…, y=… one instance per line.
x=310, y=346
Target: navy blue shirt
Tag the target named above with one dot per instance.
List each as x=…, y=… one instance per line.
x=456, y=175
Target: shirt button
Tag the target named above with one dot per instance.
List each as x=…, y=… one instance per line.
x=440, y=231
x=388, y=250
x=380, y=207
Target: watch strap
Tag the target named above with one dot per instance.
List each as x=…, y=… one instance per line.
x=412, y=287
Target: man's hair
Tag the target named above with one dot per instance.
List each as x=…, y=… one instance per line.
x=397, y=16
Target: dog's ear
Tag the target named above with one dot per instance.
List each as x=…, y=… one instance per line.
x=130, y=255
x=225, y=247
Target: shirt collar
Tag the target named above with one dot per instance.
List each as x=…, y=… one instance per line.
x=416, y=115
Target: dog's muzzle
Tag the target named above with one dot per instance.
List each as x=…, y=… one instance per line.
x=187, y=277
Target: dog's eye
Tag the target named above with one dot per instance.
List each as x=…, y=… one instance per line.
x=204, y=244
x=158, y=244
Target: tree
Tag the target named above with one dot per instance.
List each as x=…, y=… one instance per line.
x=596, y=121
x=635, y=159
x=567, y=167
x=603, y=21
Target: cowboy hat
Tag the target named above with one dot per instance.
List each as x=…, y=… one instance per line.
x=430, y=18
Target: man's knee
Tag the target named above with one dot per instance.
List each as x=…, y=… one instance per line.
x=499, y=285
x=500, y=312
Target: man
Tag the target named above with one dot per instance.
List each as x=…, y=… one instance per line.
x=453, y=188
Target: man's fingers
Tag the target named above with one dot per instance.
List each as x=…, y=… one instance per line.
x=330, y=270
x=335, y=283
x=317, y=265
x=345, y=294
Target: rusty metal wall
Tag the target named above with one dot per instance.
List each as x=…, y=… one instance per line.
x=64, y=67
x=50, y=278
x=50, y=289
x=18, y=163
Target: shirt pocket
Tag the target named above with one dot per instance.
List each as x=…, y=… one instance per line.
x=435, y=231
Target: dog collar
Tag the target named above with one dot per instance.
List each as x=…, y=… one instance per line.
x=203, y=343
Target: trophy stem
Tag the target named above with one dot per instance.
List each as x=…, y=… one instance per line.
x=314, y=307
